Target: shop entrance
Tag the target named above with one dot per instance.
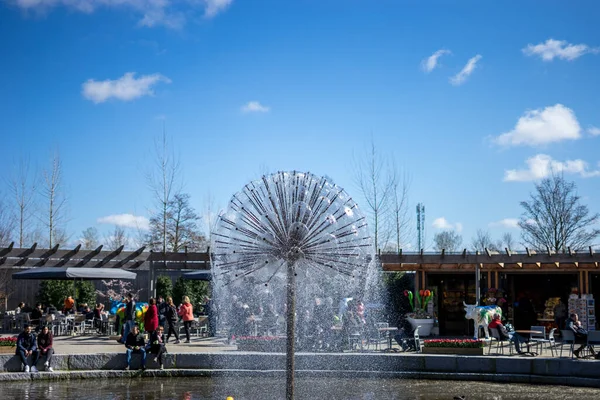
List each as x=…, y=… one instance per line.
x=452, y=290
x=530, y=292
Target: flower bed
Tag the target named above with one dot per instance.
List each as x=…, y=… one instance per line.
x=8, y=344
x=454, y=346
x=275, y=344
x=455, y=343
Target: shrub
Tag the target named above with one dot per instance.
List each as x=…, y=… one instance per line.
x=195, y=290
x=164, y=286
x=54, y=292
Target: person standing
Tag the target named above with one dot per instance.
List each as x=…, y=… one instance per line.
x=129, y=317
x=209, y=308
x=560, y=314
x=27, y=346
x=186, y=312
x=157, y=345
x=171, y=320
x=162, y=310
x=44, y=342
x=151, y=317
x=135, y=344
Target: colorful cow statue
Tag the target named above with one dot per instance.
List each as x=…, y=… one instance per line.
x=482, y=316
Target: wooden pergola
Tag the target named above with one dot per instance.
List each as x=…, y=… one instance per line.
x=494, y=263
x=16, y=259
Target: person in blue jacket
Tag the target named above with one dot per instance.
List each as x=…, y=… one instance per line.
x=27, y=346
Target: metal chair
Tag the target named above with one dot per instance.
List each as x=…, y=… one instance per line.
x=499, y=342
x=551, y=341
x=568, y=337
x=377, y=335
x=540, y=337
x=593, y=339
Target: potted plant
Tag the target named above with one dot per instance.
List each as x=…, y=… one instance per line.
x=454, y=346
x=8, y=345
x=419, y=315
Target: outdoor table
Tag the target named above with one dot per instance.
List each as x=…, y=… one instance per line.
x=528, y=333
x=389, y=331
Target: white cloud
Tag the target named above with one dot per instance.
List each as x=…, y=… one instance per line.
x=126, y=221
x=255, y=106
x=541, y=166
x=542, y=126
x=505, y=223
x=442, y=223
x=430, y=62
x=594, y=131
x=126, y=88
x=552, y=49
x=169, y=13
x=468, y=69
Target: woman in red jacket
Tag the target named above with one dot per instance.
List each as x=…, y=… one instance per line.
x=186, y=312
x=151, y=317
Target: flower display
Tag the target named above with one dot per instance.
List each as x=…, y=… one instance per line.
x=8, y=341
x=418, y=303
x=455, y=343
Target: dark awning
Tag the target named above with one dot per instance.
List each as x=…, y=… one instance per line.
x=71, y=273
x=198, y=276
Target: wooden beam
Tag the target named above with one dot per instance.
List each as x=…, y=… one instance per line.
x=557, y=264
x=570, y=251
x=591, y=252
x=488, y=252
x=130, y=257
x=528, y=252
x=28, y=251
x=549, y=251
x=507, y=251
x=520, y=264
x=443, y=252
x=576, y=264
x=109, y=257
x=50, y=252
x=464, y=253
x=501, y=265
x=7, y=250
x=87, y=258
x=539, y=264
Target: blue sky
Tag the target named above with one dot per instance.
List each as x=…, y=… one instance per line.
x=245, y=86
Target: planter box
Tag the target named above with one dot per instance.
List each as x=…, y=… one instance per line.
x=425, y=323
x=8, y=349
x=464, y=351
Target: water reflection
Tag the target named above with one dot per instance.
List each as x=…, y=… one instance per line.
x=246, y=388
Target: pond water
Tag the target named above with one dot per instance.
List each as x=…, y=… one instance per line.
x=247, y=388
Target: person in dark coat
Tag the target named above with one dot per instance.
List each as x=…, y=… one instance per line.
x=27, y=346
x=161, y=305
x=36, y=317
x=135, y=344
x=171, y=317
x=157, y=345
x=129, y=317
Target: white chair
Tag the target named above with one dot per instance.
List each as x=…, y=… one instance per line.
x=417, y=339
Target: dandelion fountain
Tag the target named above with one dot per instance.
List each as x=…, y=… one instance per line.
x=288, y=226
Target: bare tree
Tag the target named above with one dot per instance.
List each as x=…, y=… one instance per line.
x=400, y=214
x=483, y=240
x=508, y=241
x=54, y=197
x=7, y=224
x=182, y=226
x=23, y=185
x=448, y=240
x=165, y=183
x=375, y=180
x=90, y=239
x=554, y=217
x=209, y=217
x=117, y=239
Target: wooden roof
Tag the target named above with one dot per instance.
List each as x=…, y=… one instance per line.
x=11, y=257
x=506, y=261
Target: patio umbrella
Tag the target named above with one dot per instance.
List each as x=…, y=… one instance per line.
x=73, y=273
x=198, y=276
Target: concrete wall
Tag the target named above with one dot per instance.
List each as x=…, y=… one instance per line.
x=561, y=371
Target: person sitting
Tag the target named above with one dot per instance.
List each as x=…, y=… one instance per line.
x=135, y=344
x=44, y=342
x=27, y=346
x=505, y=334
x=581, y=334
x=405, y=336
x=19, y=308
x=157, y=345
x=36, y=317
